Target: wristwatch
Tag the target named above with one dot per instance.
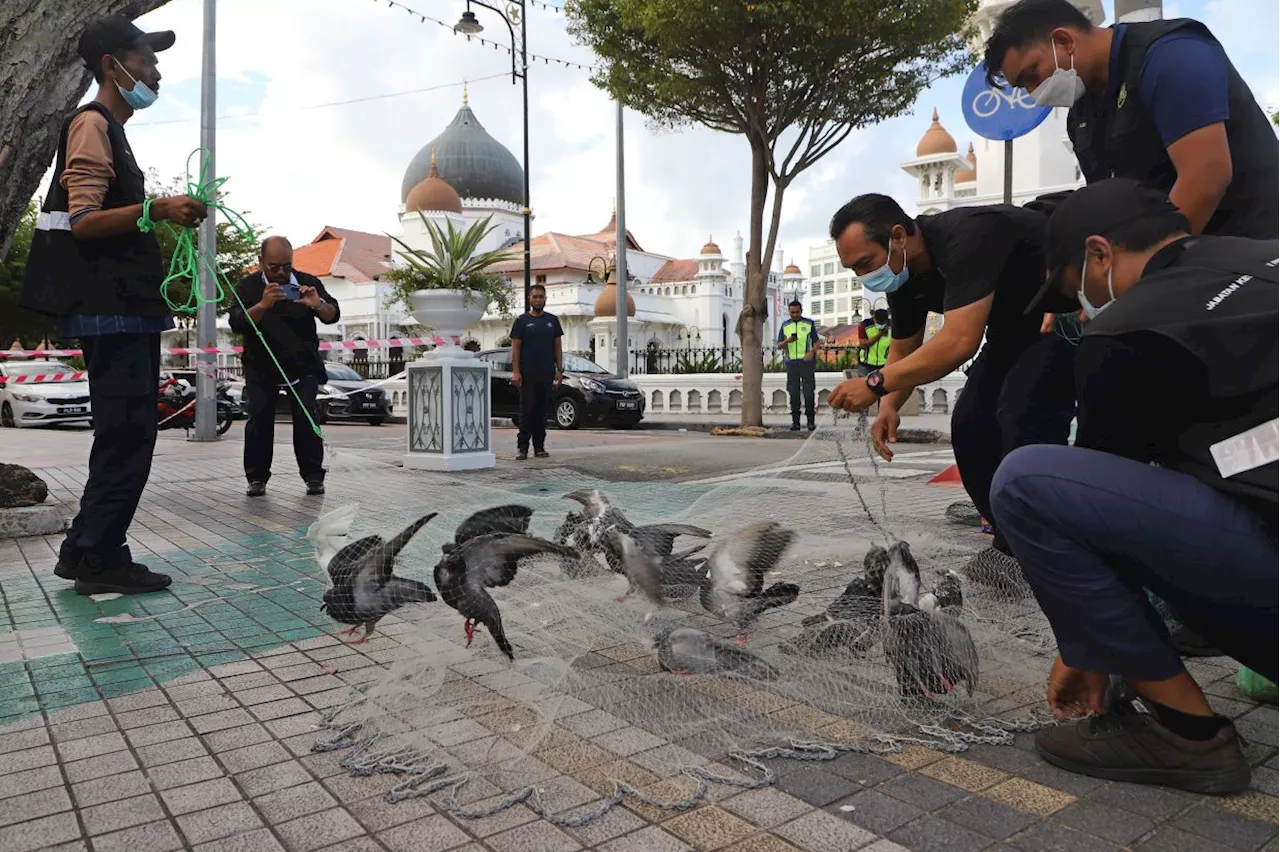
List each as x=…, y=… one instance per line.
x=875, y=381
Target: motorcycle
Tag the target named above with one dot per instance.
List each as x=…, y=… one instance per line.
x=176, y=405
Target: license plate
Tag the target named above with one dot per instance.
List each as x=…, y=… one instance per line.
x=627, y=404
x=72, y=409
x=369, y=406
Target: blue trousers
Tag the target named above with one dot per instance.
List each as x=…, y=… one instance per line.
x=1092, y=531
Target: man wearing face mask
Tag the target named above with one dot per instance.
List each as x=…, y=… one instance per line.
x=1171, y=486
x=96, y=266
x=977, y=266
x=1157, y=101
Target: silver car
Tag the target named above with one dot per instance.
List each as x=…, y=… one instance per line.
x=39, y=401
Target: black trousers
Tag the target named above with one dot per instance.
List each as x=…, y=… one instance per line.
x=124, y=374
x=1018, y=393
x=535, y=399
x=800, y=380
x=260, y=430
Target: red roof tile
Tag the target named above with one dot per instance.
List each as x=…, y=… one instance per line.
x=675, y=270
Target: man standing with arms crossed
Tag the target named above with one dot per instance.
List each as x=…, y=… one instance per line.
x=798, y=339
x=537, y=360
x=96, y=266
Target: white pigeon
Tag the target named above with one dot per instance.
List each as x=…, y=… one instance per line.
x=330, y=533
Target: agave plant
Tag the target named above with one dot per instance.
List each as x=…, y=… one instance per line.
x=453, y=263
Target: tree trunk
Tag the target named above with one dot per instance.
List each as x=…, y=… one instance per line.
x=41, y=81
x=751, y=321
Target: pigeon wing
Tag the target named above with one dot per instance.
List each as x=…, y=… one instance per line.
x=347, y=561
x=760, y=550
x=659, y=538
x=492, y=560
x=512, y=518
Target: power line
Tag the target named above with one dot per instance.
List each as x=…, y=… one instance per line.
x=329, y=104
x=546, y=60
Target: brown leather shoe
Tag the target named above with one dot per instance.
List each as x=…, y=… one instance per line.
x=1130, y=746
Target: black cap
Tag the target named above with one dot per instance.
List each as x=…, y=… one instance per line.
x=115, y=33
x=1094, y=210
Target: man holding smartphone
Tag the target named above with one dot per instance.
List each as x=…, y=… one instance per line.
x=282, y=304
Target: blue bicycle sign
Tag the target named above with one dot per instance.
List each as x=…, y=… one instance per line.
x=999, y=113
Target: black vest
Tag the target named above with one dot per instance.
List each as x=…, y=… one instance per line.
x=1219, y=301
x=118, y=275
x=1116, y=137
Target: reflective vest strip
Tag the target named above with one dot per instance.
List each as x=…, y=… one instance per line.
x=802, y=331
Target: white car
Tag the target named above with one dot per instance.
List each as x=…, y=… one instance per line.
x=32, y=403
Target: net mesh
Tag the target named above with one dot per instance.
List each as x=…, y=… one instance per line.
x=577, y=643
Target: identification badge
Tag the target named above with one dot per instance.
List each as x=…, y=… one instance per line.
x=1248, y=450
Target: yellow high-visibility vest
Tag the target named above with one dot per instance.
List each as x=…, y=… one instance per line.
x=803, y=330
x=878, y=352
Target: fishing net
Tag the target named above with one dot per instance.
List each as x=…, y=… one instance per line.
x=625, y=679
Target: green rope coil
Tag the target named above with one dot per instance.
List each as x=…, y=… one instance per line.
x=188, y=260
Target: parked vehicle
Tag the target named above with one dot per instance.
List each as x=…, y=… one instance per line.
x=588, y=394
x=176, y=406
x=31, y=403
x=345, y=395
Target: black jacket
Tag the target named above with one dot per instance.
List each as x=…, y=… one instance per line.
x=118, y=276
x=1191, y=350
x=289, y=328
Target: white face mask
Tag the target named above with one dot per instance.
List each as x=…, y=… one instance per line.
x=1063, y=88
x=1089, y=309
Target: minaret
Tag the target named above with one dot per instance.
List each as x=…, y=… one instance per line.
x=738, y=263
x=1134, y=11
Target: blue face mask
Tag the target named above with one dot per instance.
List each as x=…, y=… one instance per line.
x=1090, y=310
x=140, y=96
x=884, y=279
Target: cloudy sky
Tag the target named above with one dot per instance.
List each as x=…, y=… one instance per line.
x=297, y=163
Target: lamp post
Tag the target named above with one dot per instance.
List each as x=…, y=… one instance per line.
x=468, y=25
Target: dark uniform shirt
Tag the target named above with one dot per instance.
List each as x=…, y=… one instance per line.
x=976, y=252
x=289, y=329
x=537, y=336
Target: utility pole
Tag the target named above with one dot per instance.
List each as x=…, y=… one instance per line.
x=621, y=263
x=206, y=311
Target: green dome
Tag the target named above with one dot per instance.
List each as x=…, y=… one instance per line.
x=470, y=160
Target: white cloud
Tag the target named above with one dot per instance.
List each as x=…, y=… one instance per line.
x=299, y=169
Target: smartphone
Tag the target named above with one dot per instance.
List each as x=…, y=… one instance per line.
x=291, y=291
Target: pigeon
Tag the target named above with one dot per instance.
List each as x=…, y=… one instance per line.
x=512, y=518
x=733, y=588
x=466, y=572
x=931, y=653
x=849, y=626
x=874, y=565
x=330, y=532
x=945, y=596
x=364, y=588
x=600, y=519
x=685, y=650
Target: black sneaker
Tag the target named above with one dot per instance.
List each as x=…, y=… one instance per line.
x=813, y=427
x=795, y=427
x=256, y=489
x=541, y=454
x=522, y=455
x=1134, y=747
x=122, y=575
x=68, y=563
x=315, y=488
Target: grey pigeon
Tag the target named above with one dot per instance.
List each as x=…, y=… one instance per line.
x=685, y=650
x=466, y=573
x=364, y=588
x=874, y=565
x=946, y=595
x=849, y=626
x=931, y=653
x=602, y=522
x=734, y=586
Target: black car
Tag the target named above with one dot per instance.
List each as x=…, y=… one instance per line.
x=345, y=395
x=589, y=393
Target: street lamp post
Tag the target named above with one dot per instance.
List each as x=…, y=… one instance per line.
x=468, y=25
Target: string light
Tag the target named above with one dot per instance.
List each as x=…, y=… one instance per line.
x=546, y=60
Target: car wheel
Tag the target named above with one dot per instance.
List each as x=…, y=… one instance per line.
x=377, y=421
x=568, y=412
x=6, y=416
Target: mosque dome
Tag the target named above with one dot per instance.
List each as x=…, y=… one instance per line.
x=792, y=269
x=473, y=163
x=607, y=302
x=936, y=140
x=433, y=194
x=970, y=174
x=711, y=249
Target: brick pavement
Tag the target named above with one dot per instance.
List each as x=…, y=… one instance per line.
x=186, y=720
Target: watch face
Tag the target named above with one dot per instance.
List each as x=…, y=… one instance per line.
x=875, y=379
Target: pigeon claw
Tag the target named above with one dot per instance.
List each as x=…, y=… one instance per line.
x=622, y=598
x=469, y=628
x=350, y=631
x=360, y=641
x=741, y=640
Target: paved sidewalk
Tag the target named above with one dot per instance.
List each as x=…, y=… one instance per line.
x=185, y=720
